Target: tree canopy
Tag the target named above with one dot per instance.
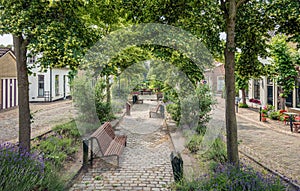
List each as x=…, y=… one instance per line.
x=53, y=28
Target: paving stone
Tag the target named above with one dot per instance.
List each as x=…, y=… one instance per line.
x=145, y=161
x=45, y=116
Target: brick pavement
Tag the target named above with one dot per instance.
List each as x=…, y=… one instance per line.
x=144, y=164
x=45, y=116
x=271, y=143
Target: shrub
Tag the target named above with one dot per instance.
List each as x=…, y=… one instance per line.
x=25, y=171
x=174, y=110
x=274, y=115
x=242, y=105
x=68, y=130
x=63, y=143
x=228, y=177
x=194, y=143
x=217, y=153
x=19, y=171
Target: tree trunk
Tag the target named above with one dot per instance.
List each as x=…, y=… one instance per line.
x=108, y=96
x=20, y=49
x=243, y=96
x=231, y=126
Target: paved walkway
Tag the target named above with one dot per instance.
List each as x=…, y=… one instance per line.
x=144, y=164
x=45, y=116
x=271, y=143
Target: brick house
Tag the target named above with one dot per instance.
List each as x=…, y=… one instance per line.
x=215, y=78
x=8, y=79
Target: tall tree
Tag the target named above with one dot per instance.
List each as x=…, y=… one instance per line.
x=51, y=27
x=252, y=36
x=286, y=14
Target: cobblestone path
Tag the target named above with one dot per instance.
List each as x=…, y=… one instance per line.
x=45, y=116
x=270, y=143
x=144, y=164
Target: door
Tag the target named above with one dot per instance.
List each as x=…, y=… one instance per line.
x=9, y=93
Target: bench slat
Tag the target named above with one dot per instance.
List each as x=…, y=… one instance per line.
x=108, y=142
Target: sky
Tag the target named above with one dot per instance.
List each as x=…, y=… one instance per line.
x=6, y=39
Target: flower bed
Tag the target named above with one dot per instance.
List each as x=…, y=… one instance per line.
x=255, y=102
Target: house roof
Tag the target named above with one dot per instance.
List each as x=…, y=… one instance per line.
x=3, y=51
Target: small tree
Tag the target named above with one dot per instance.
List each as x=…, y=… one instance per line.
x=283, y=65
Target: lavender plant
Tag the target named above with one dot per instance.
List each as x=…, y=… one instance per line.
x=19, y=170
x=227, y=177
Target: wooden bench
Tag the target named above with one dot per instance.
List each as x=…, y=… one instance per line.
x=109, y=144
x=154, y=110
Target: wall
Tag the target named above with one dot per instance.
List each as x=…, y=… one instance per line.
x=8, y=71
x=49, y=85
x=212, y=75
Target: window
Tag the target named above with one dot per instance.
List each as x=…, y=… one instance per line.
x=220, y=83
x=57, y=85
x=31, y=60
x=256, y=89
x=41, y=84
x=270, y=91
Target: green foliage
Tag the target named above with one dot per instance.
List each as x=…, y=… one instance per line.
x=104, y=111
x=286, y=14
x=25, y=171
x=206, y=102
x=283, y=64
x=87, y=97
x=194, y=143
x=19, y=171
x=228, y=177
x=174, y=110
x=217, y=153
x=242, y=105
x=84, y=99
x=68, y=130
x=274, y=115
x=63, y=144
x=182, y=108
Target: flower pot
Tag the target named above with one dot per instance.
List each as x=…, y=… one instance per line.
x=263, y=119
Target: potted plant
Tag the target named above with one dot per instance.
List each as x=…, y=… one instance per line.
x=264, y=114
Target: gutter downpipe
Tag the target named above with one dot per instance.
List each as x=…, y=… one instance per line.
x=50, y=84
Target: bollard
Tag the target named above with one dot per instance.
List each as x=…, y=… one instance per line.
x=128, y=107
x=85, y=145
x=260, y=113
x=177, y=166
x=134, y=99
x=237, y=100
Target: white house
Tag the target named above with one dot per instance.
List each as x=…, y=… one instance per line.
x=267, y=91
x=48, y=85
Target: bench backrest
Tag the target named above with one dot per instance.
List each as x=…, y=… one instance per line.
x=157, y=107
x=104, y=135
